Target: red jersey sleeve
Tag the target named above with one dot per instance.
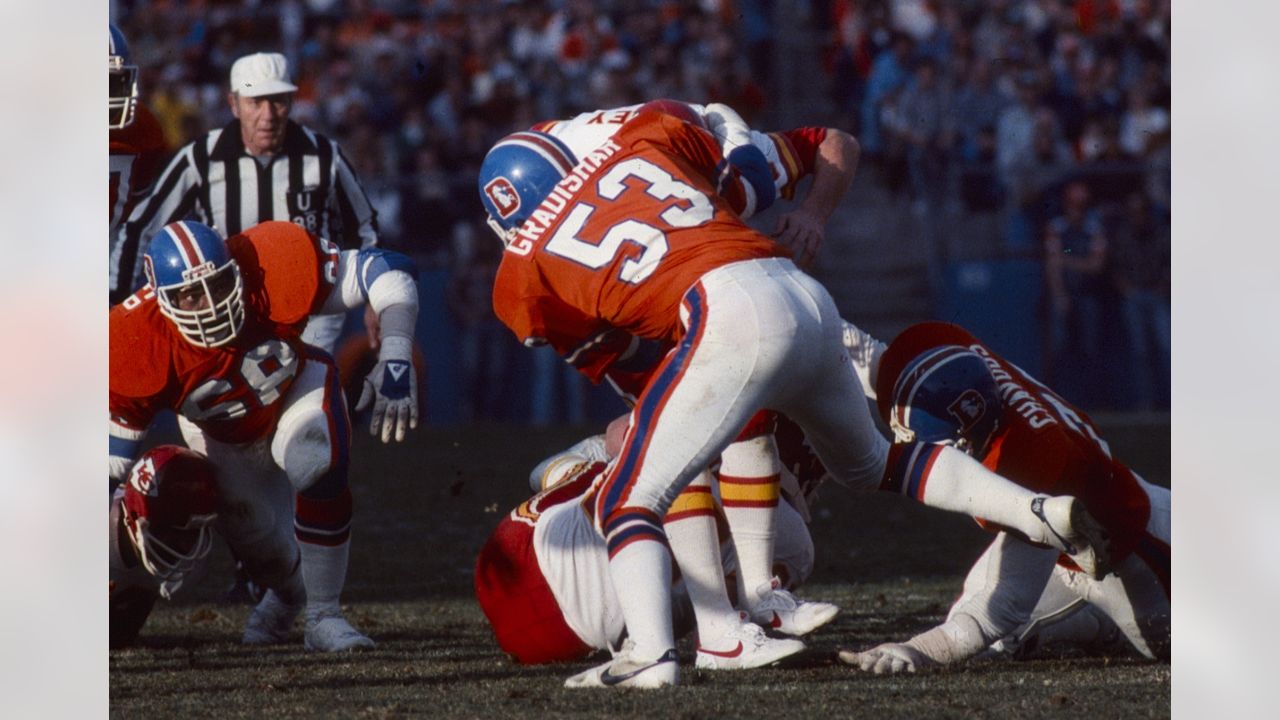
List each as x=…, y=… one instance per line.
x=797, y=152
x=288, y=271
x=139, y=376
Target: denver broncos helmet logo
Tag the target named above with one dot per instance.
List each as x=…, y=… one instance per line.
x=968, y=409
x=503, y=195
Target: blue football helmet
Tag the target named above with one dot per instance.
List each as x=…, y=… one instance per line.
x=517, y=174
x=947, y=395
x=122, y=99
x=196, y=282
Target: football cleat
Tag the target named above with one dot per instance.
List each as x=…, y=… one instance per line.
x=779, y=610
x=332, y=633
x=748, y=647
x=271, y=621
x=1072, y=530
x=625, y=670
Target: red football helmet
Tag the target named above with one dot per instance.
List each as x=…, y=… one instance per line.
x=170, y=503
x=677, y=108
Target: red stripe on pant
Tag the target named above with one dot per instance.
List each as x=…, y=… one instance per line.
x=527, y=622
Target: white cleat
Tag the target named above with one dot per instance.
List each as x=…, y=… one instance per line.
x=624, y=670
x=332, y=633
x=748, y=647
x=1072, y=530
x=779, y=610
x=271, y=621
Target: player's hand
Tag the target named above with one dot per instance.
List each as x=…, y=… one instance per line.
x=802, y=232
x=392, y=388
x=889, y=658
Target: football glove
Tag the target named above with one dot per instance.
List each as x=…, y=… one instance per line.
x=392, y=389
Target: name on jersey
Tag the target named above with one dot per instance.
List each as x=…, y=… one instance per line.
x=1013, y=394
x=549, y=209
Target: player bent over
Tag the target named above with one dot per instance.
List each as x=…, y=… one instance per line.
x=215, y=336
x=160, y=530
x=937, y=383
x=642, y=236
x=748, y=482
x=543, y=582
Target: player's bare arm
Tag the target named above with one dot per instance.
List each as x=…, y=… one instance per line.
x=803, y=229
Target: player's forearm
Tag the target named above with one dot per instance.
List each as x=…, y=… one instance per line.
x=955, y=640
x=834, y=169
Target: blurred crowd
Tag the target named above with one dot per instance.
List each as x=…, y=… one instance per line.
x=992, y=104
x=1055, y=115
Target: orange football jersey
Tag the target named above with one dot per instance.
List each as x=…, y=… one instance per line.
x=1043, y=443
x=624, y=236
x=137, y=154
x=234, y=392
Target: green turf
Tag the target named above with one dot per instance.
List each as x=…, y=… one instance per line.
x=424, y=509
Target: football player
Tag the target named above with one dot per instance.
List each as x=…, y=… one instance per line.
x=748, y=481
x=937, y=383
x=137, y=145
x=215, y=336
x=161, y=529
x=643, y=236
x=542, y=578
x=780, y=159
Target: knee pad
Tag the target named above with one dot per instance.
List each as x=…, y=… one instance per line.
x=314, y=461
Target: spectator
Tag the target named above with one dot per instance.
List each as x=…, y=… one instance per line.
x=1075, y=249
x=1140, y=270
x=1033, y=179
x=921, y=113
x=889, y=72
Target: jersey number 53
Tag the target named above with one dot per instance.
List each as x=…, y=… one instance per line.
x=658, y=184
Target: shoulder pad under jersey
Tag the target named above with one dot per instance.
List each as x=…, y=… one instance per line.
x=140, y=342
x=286, y=270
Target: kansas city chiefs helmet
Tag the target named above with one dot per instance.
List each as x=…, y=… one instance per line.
x=169, y=505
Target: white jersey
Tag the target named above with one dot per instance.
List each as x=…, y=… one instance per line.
x=587, y=131
x=573, y=559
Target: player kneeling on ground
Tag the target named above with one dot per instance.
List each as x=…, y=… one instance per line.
x=215, y=336
x=937, y=383
x=161, y=529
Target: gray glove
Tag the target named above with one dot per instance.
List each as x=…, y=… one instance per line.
x=392, y=388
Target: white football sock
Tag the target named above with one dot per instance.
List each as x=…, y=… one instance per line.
x=324, y=572
x=691, y=529
x=641, y=574
x=749, y=492
x=961, y=484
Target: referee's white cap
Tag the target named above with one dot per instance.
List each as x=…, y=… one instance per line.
x=261, y=74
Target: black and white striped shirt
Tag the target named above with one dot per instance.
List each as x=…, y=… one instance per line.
x=215, y=181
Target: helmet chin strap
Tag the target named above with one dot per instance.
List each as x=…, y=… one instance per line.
x=505, y=235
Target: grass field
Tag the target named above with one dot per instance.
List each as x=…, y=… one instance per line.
x=424, y=509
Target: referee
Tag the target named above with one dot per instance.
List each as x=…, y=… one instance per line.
x=262, y=166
